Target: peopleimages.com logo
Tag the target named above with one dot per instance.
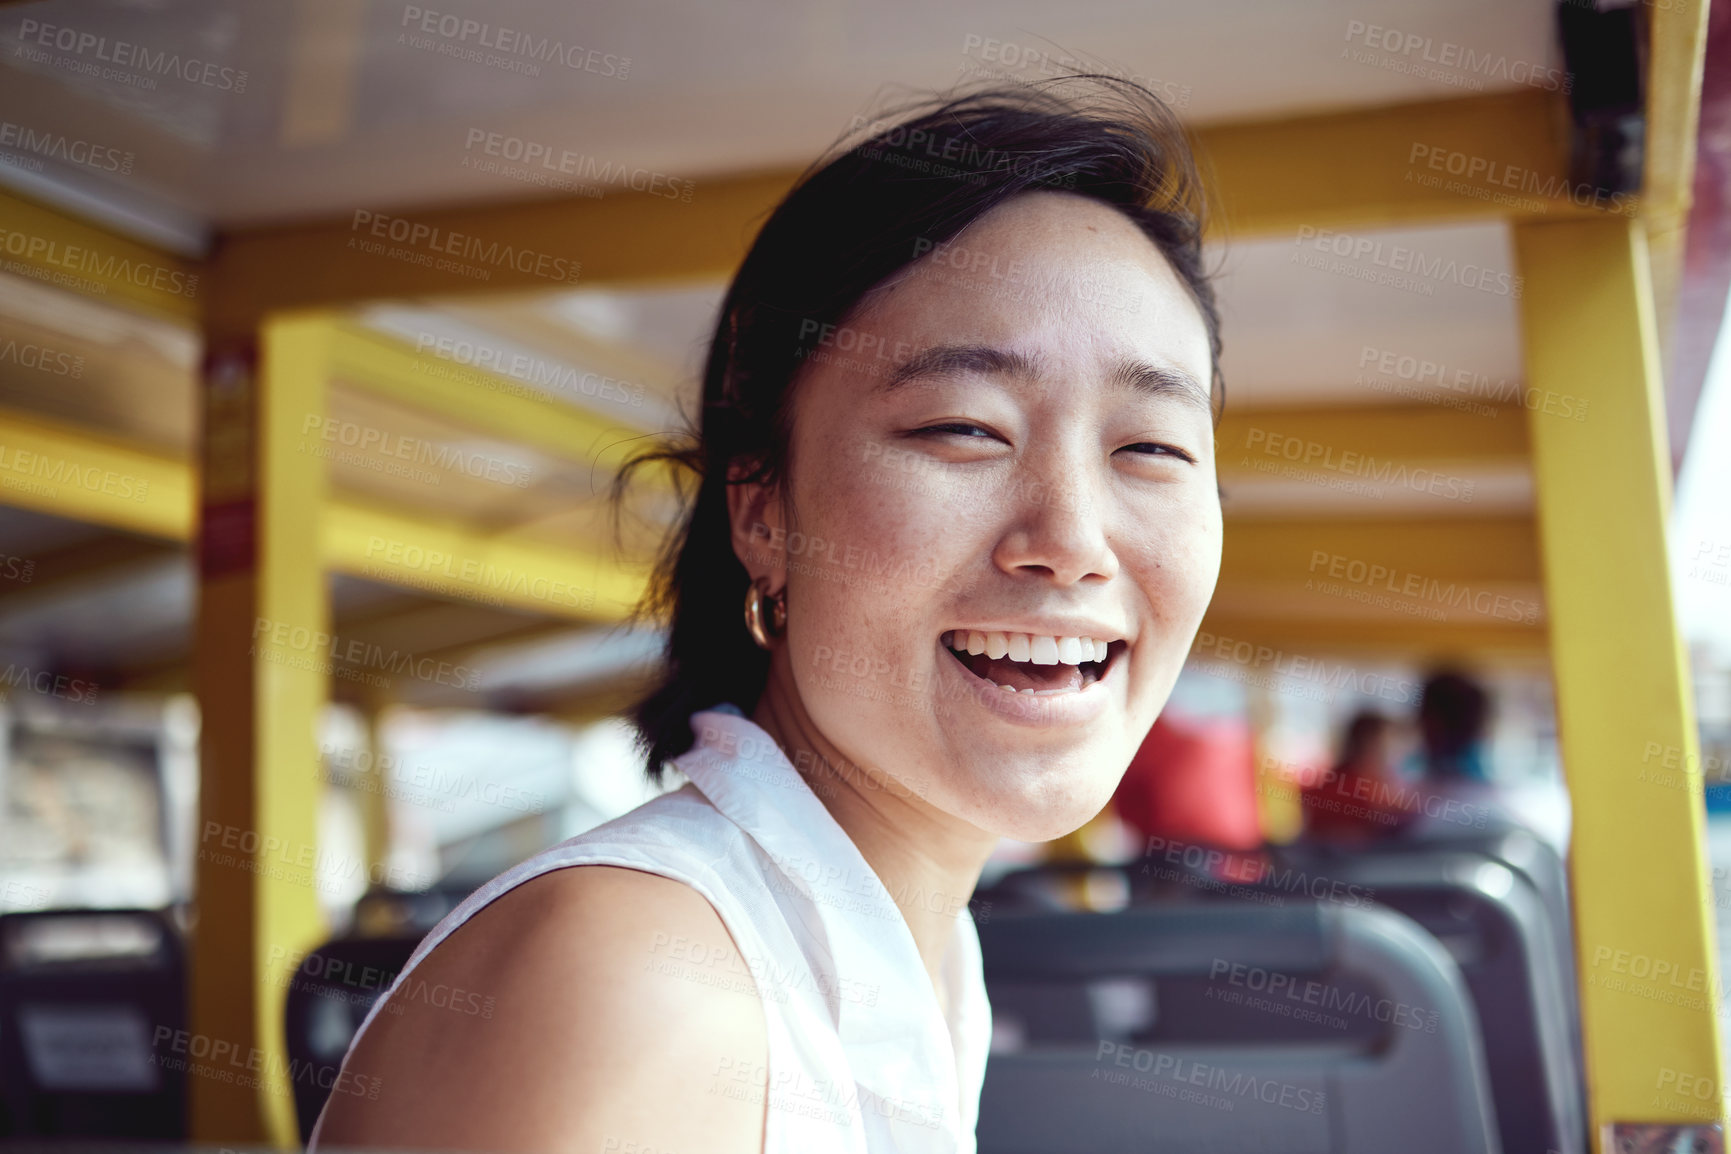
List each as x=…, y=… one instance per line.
x=67, y=149
x=1447, y=61
x=521, y=51
x=207, y=73
x=428, y=241
x=584, y=168
x=1397, y=264
x=77, y=258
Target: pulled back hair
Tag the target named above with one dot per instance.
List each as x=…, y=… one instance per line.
x=855, y=218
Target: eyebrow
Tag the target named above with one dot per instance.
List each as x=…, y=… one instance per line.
x=1159, y=381
x=955, y=360
x=984, y=360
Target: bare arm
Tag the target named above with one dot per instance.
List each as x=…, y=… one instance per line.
x=597, y=1040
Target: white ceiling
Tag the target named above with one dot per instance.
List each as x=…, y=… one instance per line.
x=1298, y=333
x=342, y=109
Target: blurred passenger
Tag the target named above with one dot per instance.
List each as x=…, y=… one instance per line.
x=1190, y=792
x=1458, y=798
x=1361, y=799
x=1192, y=782
x=1453, y=714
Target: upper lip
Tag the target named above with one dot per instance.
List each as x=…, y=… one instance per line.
x=1069, y=628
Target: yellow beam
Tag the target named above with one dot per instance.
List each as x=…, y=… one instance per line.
x=632, y=237
x=1333, y=170
x=1294, y=550
x=1363, y=437
x=53, y=249
x=1371, y=168
x=1644, y=926
x=453, y=560
x=479, y=399
x=65, y=471
x=1475, y=638
x=261, y=692
x=1410, y=587
x=55, y=468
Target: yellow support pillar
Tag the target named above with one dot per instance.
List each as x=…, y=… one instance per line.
x=374, y=799
x=1644, y=942
x=1279, y=798
x=261, y=689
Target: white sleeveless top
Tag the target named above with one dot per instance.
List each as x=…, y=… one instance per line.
x=861, y=1057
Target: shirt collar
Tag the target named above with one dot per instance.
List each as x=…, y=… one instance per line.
x=887, y=1012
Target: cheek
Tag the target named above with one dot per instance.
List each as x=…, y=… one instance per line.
x=896, y=522
x=863, y=557
x=1176, y=562
x=1176, y=568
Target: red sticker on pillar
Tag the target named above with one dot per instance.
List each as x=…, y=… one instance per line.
x=228, y=537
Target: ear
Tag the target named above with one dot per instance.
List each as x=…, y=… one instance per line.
x=759, y=531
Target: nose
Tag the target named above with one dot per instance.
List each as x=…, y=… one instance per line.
x=1055, y=528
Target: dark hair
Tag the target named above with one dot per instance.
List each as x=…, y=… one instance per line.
x=1453, y=712
x=870, y=209
x=1365, y=727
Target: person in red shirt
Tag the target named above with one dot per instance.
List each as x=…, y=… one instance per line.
x=1361, y=799
x=1193, y=782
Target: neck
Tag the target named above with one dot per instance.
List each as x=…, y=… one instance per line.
x=930, y=861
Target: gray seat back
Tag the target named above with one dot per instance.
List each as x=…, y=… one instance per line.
x=1422, y=1090
x=93, y=1038
x=1495, y=923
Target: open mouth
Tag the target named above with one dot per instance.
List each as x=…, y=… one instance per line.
x=1032, y=664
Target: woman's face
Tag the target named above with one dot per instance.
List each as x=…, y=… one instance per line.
x=1011, y=439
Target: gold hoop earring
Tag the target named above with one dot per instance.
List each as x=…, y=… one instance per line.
x=765, y=615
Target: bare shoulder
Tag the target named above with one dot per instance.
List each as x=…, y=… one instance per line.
x=581, y=1010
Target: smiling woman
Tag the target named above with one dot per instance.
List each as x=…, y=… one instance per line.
x=956, y=459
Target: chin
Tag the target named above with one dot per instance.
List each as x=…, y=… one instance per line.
x=1039, y=801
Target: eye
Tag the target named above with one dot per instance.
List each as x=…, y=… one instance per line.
x=953, y=429
x=1155, y=449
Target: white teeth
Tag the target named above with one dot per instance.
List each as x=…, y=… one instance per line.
x=1029, y=648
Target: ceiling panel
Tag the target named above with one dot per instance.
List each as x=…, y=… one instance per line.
x=319, y=108
x=1376, y=316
